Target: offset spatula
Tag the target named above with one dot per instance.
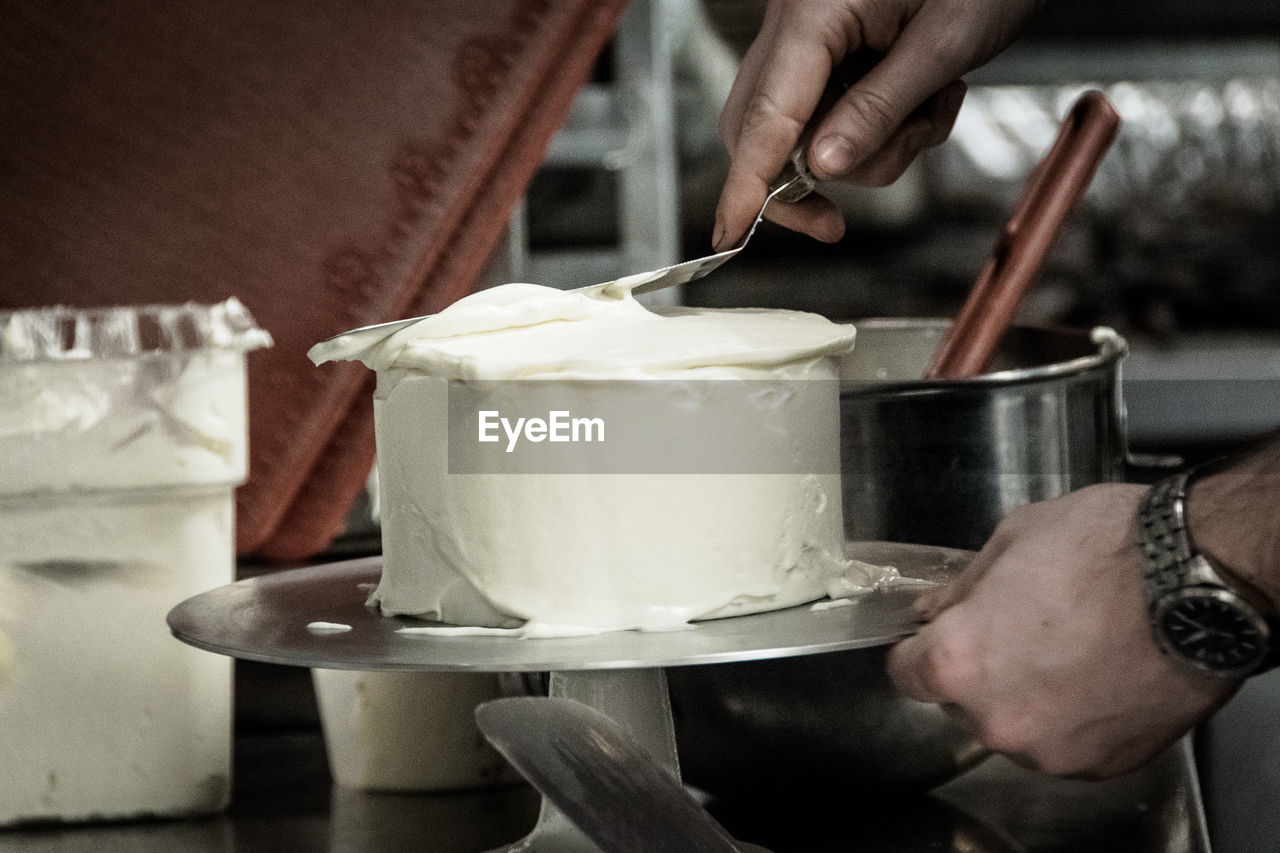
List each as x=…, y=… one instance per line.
x=791, y=186
x=599, y=777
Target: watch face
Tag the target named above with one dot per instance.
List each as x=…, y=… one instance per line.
x=1214, y=630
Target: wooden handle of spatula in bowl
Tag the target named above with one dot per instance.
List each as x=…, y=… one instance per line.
x=1053, y=189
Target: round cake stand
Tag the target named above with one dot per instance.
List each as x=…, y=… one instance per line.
x=293, y=617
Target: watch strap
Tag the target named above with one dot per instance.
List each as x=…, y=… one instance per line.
x=1170, y=560
x=1163, y=537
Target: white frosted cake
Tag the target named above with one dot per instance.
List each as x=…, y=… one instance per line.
x=735, y=508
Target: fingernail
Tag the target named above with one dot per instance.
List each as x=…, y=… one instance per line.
x=833, y=155
x=717, y=236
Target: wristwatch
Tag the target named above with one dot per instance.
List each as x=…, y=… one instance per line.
x=1199, y=616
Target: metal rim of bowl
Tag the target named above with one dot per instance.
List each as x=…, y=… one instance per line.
x=1111, y=348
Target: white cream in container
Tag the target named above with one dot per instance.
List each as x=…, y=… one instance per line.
x=559, y=551
x=122, y=437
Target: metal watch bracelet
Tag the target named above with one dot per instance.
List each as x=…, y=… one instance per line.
x=1162, y=535
x=1171, y=564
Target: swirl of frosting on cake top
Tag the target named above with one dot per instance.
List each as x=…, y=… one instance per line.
x=526, y=330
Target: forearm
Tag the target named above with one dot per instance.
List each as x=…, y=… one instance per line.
x=1234, y=518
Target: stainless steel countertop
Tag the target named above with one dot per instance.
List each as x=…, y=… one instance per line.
x=1158, y=808
x=284, y=801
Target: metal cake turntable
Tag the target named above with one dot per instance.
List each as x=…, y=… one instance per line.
x=283, y=618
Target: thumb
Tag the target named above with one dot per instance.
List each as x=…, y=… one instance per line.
x=875, y=108
x=930, y=604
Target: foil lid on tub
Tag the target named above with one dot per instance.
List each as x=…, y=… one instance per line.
x=123, y=398
x=60, y=333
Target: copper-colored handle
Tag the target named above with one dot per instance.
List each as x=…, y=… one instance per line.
x=1053, y=190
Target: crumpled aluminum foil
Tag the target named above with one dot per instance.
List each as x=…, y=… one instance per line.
x=60, y=333
x=1185, y=147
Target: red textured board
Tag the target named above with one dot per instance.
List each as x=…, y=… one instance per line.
x=332, y=165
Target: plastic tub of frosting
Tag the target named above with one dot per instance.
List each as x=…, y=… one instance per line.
x=408, y=731
x=122, y=438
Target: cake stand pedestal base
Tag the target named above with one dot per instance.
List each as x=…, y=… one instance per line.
x=637, y=700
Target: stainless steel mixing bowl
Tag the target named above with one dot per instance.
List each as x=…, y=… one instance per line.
x=934, y=463
x=940, y=463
